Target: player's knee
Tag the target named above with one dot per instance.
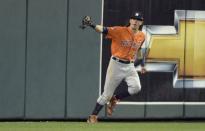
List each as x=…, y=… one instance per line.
x=134, y=89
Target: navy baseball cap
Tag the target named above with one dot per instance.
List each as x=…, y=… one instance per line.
x=137, y=16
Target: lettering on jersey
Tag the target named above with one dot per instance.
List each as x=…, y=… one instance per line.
x=128, y=43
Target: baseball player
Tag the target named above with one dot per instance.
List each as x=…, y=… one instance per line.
x=126, y=41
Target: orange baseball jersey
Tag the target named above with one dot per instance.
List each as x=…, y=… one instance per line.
x=125, y=43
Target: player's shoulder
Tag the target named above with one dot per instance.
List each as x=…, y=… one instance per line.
x=117, y=28
x=141, y=33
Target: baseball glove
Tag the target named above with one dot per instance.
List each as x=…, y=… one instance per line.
x=86, y=21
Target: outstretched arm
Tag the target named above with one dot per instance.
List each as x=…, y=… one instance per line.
x=101, y=29
x=86, y=21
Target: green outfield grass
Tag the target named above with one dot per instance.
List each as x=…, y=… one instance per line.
x=102, y=126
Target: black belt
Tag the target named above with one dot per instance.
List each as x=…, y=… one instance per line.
x=122, y=61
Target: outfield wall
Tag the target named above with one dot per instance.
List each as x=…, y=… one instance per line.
x=49, y=66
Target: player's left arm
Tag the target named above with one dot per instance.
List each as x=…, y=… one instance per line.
x=143, y=69
x=140, y=60
x=87, y=22
x=143, y=59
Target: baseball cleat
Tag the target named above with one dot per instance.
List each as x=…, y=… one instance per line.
x=92, y=119
x=111, y=105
